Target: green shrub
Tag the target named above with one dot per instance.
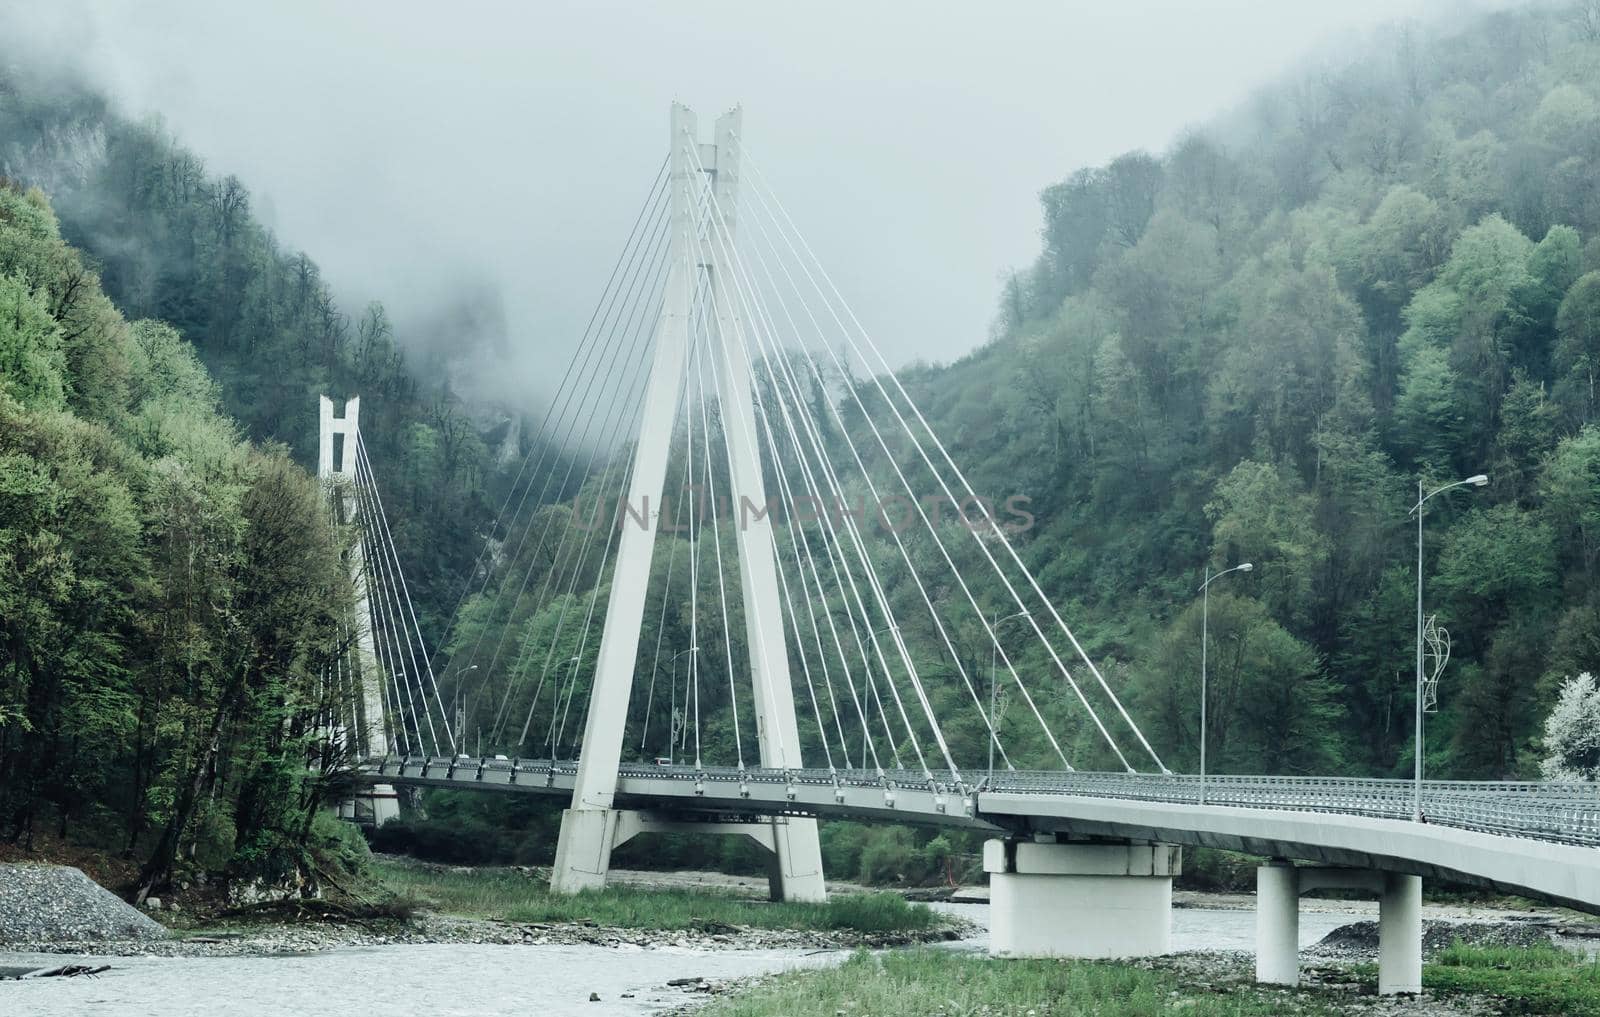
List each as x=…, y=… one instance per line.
x=214, y=839
x=1543, y=979
x=877, y=912
x=1218, y=871
x=339, y=846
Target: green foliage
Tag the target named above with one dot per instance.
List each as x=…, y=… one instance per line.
x=1578, y=346
x=339, y=846
x=32, y=364
x=168, y=594
x=1272, y=710
x=1528, y=980
x=475, y=829
x=518, y=897
x=174, y=243
x=914, y=983
x=1218, y=871
x=1375, y=274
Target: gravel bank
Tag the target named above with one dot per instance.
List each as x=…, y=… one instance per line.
x=1332, y=981
x=59, y=906
x=312, y=936
x=1359, y=940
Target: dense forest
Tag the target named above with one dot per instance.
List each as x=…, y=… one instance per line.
x=166, y=597
x=173, y=241
x=1251, y=346
x=170, y=594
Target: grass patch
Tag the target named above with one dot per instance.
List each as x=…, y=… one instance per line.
x=916, y=983
x=1528, y=980
x=514, y=897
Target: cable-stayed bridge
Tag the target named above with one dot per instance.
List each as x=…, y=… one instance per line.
x=733, y=504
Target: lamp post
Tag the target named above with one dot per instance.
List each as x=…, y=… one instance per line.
x=672, y=724
x=572, y=690
x=461, y=707
x=994, y=660
x=1479, y=480
x=1205, y=632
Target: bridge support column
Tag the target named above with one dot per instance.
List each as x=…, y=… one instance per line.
x=583, y=853
x=1278, y=924
x=795, y=872
x=588, y=836
x=798, y=868
x=1278, y=889
x=377, y=804
x=1400, y=934
x=1050, y=899
x=369, y=732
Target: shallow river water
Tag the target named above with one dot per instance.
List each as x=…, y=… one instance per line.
x=475, y=981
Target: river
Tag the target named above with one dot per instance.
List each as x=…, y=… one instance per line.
x=475, y=981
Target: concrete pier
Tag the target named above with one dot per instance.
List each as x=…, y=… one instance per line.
x=377, y=805
x=1278, y=889
x=1400, y=934
x=1080, y=899
x=588, y=836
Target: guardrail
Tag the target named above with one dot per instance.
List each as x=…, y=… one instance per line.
x=1566, y=813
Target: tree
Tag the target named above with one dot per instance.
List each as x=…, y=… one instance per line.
x=1578, y=348
x=1271, y=709
x=32, y=363
x=1395, y=253
x=1261, y=515
x=1428, y=418
x=1572, y=732
x=1571, y=492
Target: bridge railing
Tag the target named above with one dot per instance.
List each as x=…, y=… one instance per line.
x=1561, y=812
x=1564, y=812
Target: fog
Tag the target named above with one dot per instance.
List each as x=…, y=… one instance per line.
x=442, y=158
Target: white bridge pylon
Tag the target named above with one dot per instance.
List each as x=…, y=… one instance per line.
x=336, y=469
x=592, y=827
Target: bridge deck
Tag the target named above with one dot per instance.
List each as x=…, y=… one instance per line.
x=1538, y=839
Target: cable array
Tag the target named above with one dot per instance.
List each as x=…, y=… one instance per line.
x=884, y=624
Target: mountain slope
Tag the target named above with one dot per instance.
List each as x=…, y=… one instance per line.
x=1249, y=348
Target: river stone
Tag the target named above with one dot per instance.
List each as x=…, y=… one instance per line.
x=1360, y=939
x=59, y=904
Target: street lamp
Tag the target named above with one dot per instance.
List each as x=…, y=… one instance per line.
x=1205, y=626
x=672, y=724
x=462, y=709
x=555, y=737
x=1422, y=499
x=994, y=655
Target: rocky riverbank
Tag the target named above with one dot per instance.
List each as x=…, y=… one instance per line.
x=311, y=936
x=60, y=906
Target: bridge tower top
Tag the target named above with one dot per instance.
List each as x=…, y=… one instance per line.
x=338, y=459
x=704, y=180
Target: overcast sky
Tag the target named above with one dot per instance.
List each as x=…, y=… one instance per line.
x=413, y=146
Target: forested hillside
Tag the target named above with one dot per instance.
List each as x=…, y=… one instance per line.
x=175, y=242
x=1251, y=346
x=164, y=586
x=170, y=594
